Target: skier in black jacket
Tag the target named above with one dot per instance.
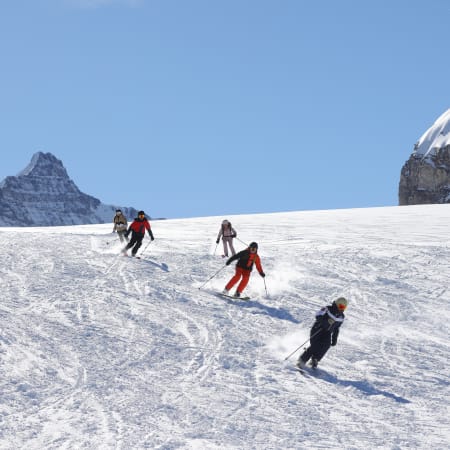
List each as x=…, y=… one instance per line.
x=246, y=258
x=324, y=332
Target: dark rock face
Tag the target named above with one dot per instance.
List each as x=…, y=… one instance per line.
x=44, y=195
x=425, y=177
x=426, y=180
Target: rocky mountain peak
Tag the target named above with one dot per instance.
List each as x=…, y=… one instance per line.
x=44, y=195
x=425, y=177
x=44, y=165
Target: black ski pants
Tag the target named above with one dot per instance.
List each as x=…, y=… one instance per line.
x=135, y=242
x=320, y=344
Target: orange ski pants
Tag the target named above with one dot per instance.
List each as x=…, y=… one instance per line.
x=240, y=272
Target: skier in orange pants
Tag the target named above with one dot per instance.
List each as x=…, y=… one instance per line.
x=246, y=258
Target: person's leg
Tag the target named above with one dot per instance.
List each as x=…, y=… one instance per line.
x=225, y=249
x=137, y=245
x=131, y=243
x=321, y=350
x=244, y=281
x=235, y=279
x=304, y=357
x=230, y=243
x=319, y=346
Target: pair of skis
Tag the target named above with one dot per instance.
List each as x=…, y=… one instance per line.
x=232, y=297
x=306, y=371
x=131, y=256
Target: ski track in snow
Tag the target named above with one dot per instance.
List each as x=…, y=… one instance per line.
x=99, y=351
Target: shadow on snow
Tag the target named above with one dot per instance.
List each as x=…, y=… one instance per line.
x=162, y=266
x=364, y=386
x=278, y=313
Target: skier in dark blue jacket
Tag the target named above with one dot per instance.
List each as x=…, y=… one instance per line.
x=324, y=332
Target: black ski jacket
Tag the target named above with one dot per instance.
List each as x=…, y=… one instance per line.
x=328, y=321
x=246, y=259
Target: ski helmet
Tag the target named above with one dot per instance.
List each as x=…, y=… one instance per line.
x=225, y=222
x=141, y=213
x=253, y=245
x=118, y=211
x=341, y=303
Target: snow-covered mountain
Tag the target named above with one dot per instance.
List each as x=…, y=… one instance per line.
x=99, y=351
x=435, y=138
x=43, y=195
x=425, y=177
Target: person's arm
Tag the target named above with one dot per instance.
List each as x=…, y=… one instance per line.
x=258, y=266
x=334, y=336
x=234, y=257
x=149, y=229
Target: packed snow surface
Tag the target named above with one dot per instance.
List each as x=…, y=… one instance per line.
x=100, y=351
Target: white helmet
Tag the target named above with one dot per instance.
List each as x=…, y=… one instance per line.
x=341, y=303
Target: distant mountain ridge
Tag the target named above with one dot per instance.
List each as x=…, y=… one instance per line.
x=425, y=177
x=42, y=194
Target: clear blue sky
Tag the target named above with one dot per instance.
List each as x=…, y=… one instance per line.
x=205, y=107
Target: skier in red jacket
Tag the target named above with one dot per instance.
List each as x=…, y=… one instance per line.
x=246, y=258
x=137, y=228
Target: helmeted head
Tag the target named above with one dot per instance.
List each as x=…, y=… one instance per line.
x=118, y=212
x=253, y=246
x=225, y=222
x=341, y=304
x=141, y=214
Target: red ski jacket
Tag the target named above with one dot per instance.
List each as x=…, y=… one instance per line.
x=139, y=226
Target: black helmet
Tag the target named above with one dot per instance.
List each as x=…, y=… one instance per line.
x=253, y=245
x=141, y=213
x=118, y=211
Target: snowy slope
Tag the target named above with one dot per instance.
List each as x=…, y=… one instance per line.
x=99, y=351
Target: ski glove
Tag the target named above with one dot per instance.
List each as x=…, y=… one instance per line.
x=262, y=274
x=333, y=342
x=217, y=241
x=228, y=263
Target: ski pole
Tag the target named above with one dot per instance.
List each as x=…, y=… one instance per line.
x=240, y=240
x=215, y=248
x=210, y=278
x=299, y=347
x=109, y=241
x=145, y=248
x=265, y=286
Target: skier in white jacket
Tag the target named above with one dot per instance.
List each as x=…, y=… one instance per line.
x=227, y=232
